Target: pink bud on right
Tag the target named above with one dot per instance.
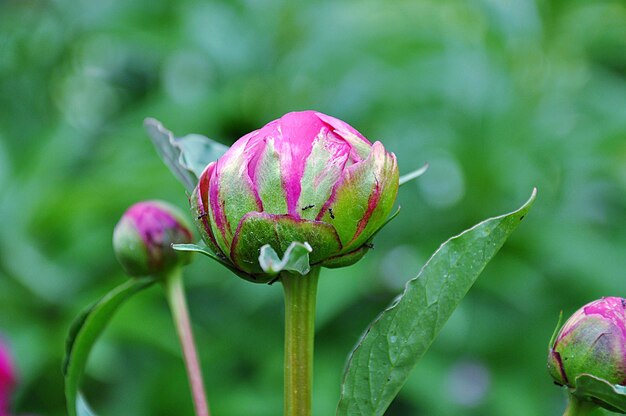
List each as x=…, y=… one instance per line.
x=7, y=379
x=592, y=341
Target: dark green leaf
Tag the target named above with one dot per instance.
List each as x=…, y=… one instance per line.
x=399, y=337
x=610, y=396
x=185, y=156
x=83, y=334
x=296, y=259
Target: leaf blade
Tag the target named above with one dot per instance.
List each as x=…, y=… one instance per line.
x=607, y=395
x=186, y=156
x=84, y=332
x=399, y=337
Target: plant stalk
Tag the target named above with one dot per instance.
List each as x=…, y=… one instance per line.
x=577, y=407
x=175, y=293
x=300, y=294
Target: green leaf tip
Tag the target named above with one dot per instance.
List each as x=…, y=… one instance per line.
x=413, y=175
x=185, y=156
x=295, y=259
x=556, y=331
x=397, y=339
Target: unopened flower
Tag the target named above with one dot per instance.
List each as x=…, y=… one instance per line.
x=7, y=379
x=592, y=341
x=143, y=237
x=306, y=177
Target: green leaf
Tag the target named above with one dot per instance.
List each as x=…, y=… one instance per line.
x=186, y=156
x=413, y=175
x=84, y=332
x=392, y=345
x=610, y=396
x=296, y=259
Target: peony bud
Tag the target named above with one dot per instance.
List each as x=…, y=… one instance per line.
x=306, y=177
x=7, y=379
x=143, y=237
x=592, y=341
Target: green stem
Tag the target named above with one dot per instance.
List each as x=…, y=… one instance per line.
x=300, y=293
x=175, y=293
x=577, y=407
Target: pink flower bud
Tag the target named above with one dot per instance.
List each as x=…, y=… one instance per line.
x=305, y=177
x=592, y=341
x=143, y=237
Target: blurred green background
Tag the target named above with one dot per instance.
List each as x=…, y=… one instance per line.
x=497, y=95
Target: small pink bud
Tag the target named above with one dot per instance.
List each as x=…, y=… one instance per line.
x=143, y=238
x=592, y=341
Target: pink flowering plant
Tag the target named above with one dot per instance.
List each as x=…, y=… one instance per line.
x=305, y=192
x=306, y=177
x=588, y=356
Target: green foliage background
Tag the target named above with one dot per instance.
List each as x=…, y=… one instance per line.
x=498, y=96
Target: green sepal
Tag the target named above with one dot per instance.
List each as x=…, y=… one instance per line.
x=196, y=248
x=556, y=331
x=269, y=181
x=130, y=249
x=347, y=259
x=205, y=251
x=354, y=193
x=279, y=231
x=295, y=259
x=322, y=170
x=202, y=220
x=387, y=221
x=413, y=175
x=235, y=194
x=609, y=396
x=185, y=156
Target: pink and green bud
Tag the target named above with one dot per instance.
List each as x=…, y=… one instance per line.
x=7, y=379
x=592, y=341
x=306, y=177
x=143, y=238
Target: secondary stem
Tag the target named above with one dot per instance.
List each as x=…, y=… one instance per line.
x=300, y=293
x=175, y=292
x=577, y=407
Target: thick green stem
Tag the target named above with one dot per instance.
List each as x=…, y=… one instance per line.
x=300, y=293
x=175, y=292
x=577, y=407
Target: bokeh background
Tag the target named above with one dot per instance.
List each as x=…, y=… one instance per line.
x=498, y=96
